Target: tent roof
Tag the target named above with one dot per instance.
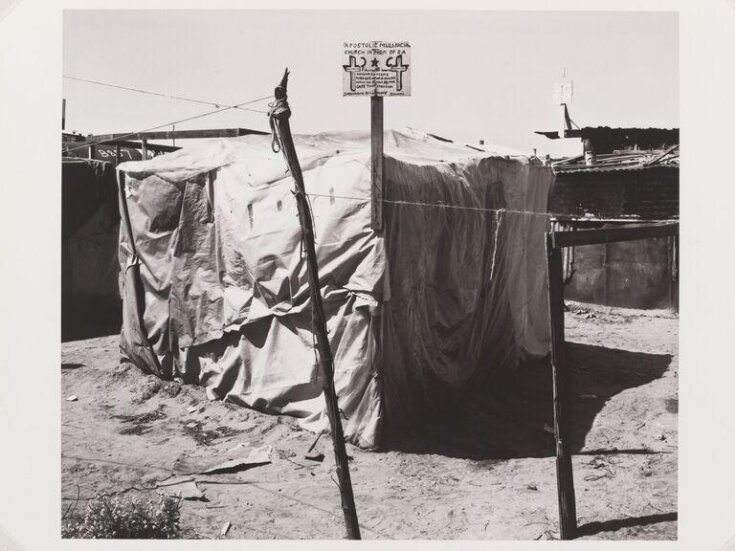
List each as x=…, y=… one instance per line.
x=408, y=145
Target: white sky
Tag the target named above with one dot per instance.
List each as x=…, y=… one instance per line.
x=475, y=74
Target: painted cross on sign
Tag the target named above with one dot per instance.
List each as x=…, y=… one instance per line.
x=376, y=68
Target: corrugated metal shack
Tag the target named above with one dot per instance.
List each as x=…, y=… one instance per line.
x=90, y=299
x=624, y=175
x=90, y=303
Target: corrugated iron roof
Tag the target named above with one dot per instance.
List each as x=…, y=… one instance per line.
x=591, y=131
x=621, y=161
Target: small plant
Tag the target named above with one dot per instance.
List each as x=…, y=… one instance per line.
x=117, y=518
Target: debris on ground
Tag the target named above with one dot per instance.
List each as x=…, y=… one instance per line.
x=247, y=458
x=315, y=456
x=547, y=535
x=314, y=453
x=184, y=486
x=173, y=481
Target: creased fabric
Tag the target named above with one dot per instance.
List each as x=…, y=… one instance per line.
x=440, y=295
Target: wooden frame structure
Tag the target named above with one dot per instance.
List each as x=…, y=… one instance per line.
x=139, y=140
x=555, y=242
x=177, y=134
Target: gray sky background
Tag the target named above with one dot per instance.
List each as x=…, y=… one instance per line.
x=475, y=74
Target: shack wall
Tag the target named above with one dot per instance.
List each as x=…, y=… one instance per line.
x=90, y=299
x=634, y=274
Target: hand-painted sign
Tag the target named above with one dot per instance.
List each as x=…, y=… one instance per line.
x=376, y=68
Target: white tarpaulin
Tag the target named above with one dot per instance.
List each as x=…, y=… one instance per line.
x=454, y=287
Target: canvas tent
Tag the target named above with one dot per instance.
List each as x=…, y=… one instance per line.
x=215, y=287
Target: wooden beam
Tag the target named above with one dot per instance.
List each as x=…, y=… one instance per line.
x=376, y=153
x=675, y=272
x=609, y=235
x=178, y=134
x=662, y=155
x=126, y=143
x=559, y=370
x=137, y=145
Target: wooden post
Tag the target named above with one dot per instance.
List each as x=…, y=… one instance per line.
x=117, y=154
x=144, y=148
x=675, y=271
x=564, y=478
x=376, y=149
x=279, y=116
x=563, y=116
x=606, y=275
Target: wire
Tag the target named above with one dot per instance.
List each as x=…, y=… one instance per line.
x=159, y=94
x=497, y=210
x=220, y=110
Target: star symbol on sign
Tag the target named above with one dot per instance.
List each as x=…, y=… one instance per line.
x=375, y=62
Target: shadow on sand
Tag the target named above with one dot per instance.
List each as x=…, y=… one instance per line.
x=593, y=528
x=512, y=415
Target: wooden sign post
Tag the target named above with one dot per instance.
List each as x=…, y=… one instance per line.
x=376, y=162
x=376, y=69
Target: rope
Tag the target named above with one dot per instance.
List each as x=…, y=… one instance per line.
x=277, y=108
x=498, y=221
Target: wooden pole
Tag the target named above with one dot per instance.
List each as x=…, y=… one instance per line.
x=564, y=478
x=606, y=275
x=144, y=148
x=279, y=115
x=675, y=271
x=376, y=150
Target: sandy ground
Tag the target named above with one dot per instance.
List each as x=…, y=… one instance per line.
x=490, y=475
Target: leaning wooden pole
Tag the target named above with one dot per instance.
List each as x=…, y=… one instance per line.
x=279, y=115
x=564, y=478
